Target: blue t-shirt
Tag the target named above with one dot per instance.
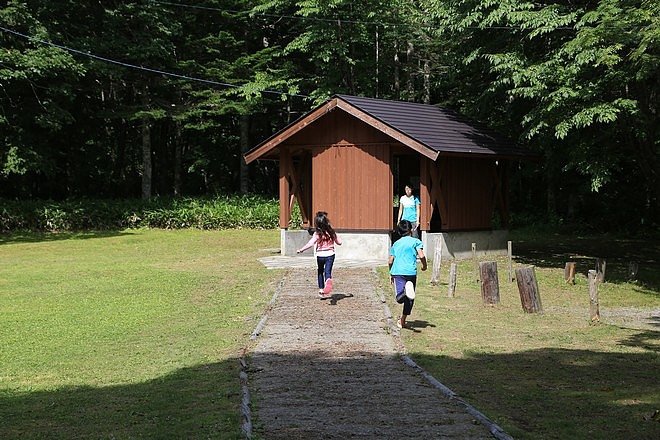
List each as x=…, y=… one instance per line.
x=409, y=208
x=404, y=251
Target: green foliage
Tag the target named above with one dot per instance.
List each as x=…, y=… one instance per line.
x=228, y=212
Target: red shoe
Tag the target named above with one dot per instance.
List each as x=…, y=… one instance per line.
x=328, y=286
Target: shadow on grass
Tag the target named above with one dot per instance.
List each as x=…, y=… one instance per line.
x=554, y=251
x=197, y=402
x=558, y=393
x=37, y=237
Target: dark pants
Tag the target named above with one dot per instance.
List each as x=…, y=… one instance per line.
x=324, y=269
x=400, y=291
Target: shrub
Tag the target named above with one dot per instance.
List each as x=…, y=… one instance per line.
x=221, y=212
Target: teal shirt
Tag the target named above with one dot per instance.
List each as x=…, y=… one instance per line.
x=409, y=205
x=404, y=251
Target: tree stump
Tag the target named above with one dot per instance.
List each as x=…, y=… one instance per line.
x=490, y=287
x=437, y=261
x=593, y=296
x=633, y=269
x=528, y=288
x=452, y=280
x=600, y=269
x=569, y=272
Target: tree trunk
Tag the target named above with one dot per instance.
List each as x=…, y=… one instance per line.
x=146, y=148
x=490, y=287
x=633, y=269
x=245, y=145
x=397, y=67
x=427, y=82
x=411, y=84
x=528, y=288
x=178, y=159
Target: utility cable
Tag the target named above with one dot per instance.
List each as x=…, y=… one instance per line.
x=133, y=66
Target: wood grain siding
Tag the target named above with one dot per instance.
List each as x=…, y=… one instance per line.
x=351, y=184
x=468, y=187
x=338, y=127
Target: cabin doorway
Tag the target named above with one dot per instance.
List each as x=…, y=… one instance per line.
x=405, y=171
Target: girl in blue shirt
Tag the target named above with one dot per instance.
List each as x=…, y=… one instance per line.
x=403, y=268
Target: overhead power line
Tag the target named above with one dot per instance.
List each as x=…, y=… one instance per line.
x=134, y=66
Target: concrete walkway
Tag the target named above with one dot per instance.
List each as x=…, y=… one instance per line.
x=333, y=369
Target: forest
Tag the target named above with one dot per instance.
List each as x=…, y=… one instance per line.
x=149, y=99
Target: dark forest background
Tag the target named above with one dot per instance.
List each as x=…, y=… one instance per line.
x=142, y=99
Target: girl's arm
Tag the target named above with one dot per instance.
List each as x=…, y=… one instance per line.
x=419, y=219
x=338, y=240
x=400, y=213
x=422, y=257
x=309, y=244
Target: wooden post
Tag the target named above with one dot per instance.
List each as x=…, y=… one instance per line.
x=633, y=269
x=452, y=280
x=593, y=296
x=569, y=272
x=490, y=286
x=437, y=261
x=474, y=260
x=529, y=289
x=600, y=269
x=510, y=255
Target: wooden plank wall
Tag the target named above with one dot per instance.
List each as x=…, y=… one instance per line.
x=354, y=185
x=468, y=186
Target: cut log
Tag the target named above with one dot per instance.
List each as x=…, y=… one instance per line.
x=490, y=287
x=437, y=261
x=510, y=255
x=529, y=290
x=475, y=262
x=569, y=272
x=452, y=281
x=593, y=296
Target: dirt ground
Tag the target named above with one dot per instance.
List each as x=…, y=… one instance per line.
x=332, y=369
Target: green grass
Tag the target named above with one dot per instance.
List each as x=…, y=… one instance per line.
x=550, y=375
x=127, y=334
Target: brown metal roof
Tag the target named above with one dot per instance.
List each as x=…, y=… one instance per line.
x=440, y=129
x=430, y=130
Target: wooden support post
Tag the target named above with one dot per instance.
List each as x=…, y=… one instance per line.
x=633, y=269
x=475, y=262
x=569, y=272
x=600, y=269
x=593, y=296
x=437, y=261
x=452, y=280
x=510, y=257
x=528, y=288
x=490, y=286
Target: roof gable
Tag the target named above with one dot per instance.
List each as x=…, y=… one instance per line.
x=427, y=129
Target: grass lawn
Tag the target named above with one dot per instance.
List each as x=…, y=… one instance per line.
x=127, y=334
x=550, y=375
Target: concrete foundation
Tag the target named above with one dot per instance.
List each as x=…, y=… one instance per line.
x=376, y=245
x=458, y=245
x=355, y=245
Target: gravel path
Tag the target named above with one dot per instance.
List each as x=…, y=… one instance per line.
x=330, y=369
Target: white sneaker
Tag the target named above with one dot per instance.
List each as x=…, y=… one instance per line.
x=410, y=290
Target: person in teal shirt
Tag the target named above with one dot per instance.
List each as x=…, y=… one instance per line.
x=403, y=268
x=409, y=209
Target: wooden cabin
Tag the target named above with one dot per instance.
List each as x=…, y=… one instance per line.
x=352, y=156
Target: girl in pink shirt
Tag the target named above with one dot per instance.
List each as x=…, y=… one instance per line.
x=324, y=239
